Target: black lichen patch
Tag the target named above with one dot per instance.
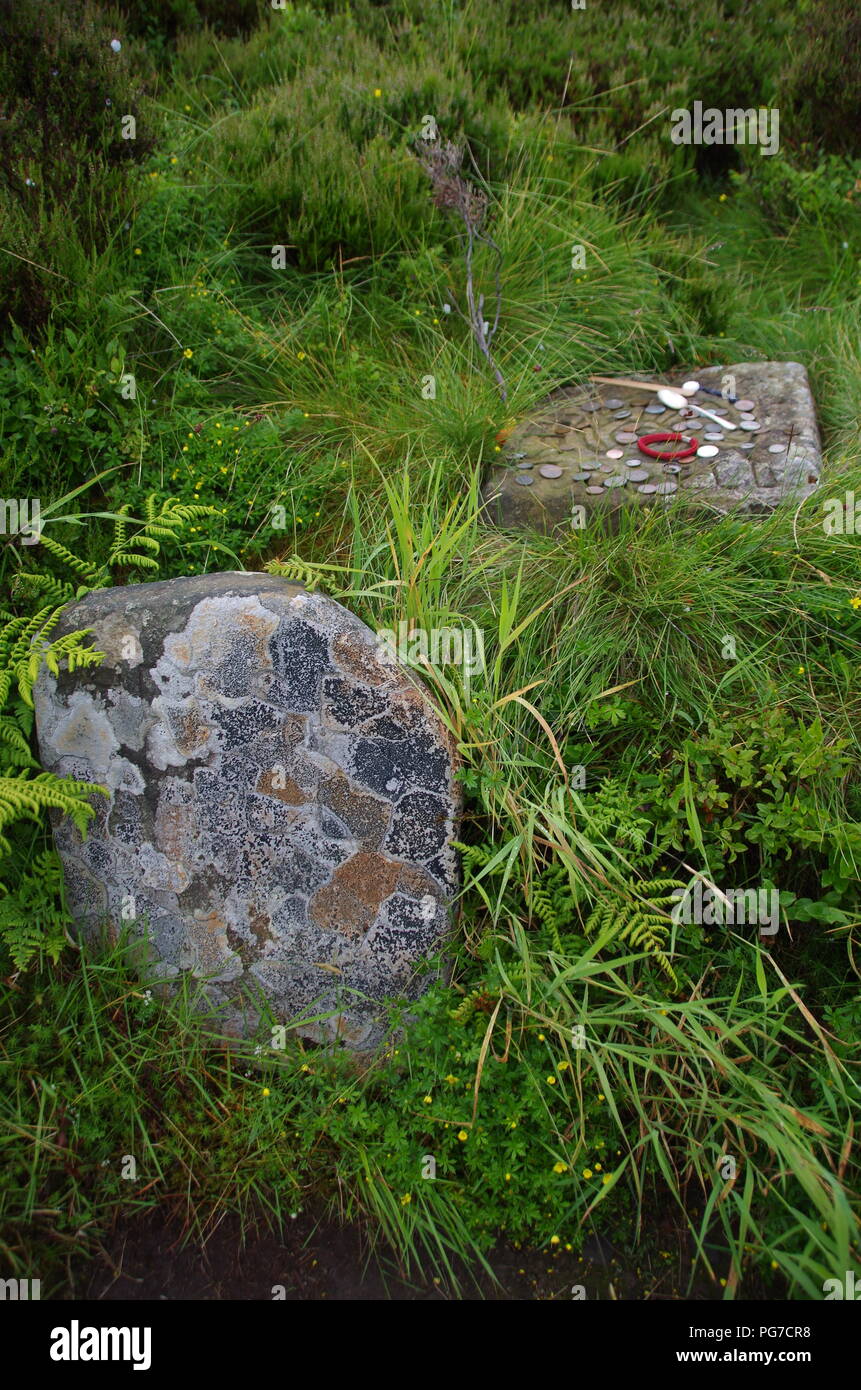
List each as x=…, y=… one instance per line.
x=418, y=829
x=392, y=768
x=300, y=658
x=348, y=704
x=238, y=726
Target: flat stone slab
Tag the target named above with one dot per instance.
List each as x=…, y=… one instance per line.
x=578, y=453
x=282, y=799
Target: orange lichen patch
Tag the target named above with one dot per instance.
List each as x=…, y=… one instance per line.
x=357, y=660
x=349, y=903
x=175, y=827
x=365, y=816
x=259, y=628
x=335, y=908
x=271, y=783
x=261, y=925
x=207, y=934
x=417, y=881
x=371, y=877
x=190, y=732
x=293, y=730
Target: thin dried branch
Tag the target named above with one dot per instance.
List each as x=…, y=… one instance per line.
x=442, y=162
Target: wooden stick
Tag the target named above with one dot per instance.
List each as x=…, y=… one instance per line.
x=624, y=381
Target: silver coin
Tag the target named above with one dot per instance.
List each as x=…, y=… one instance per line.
x=638, y=475
x=742, y=418
x=525, y=479
x=748, y=444
x=647, y=487
x=713, y=434
x=621, y=414
x=614, y=453
x=707, y=451
x=664, y=489
x=524, y=465
x=591, y=406
x=519, y=456
x=655, y=408
x=777, y=448
x=744, y=405
x=672, y=468
x=580, y=477
x=625, y=437
x=751, y=425
x=550, y=470
x=596, y=490
x=615, y=482
x=614, y=403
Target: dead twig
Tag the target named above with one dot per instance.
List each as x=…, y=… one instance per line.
x=442, y=164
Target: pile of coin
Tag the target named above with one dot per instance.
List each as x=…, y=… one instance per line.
x=591, y=443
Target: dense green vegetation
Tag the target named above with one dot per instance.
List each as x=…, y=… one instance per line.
x=169, y=381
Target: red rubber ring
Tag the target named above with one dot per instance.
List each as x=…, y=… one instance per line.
x=647, y=439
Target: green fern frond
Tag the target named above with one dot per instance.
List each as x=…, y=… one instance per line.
x=128, y=559
x=12, y=736
x=25, y=645
x=55, y=591
x=639, y=918
x=546, y=905
x=474, y=856
x=32, y=916
x=25, y=797
x=467, y=1007
x=73, y=562
x=297, y=571
x=310, y=574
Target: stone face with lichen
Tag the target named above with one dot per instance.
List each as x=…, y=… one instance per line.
x=281, y=799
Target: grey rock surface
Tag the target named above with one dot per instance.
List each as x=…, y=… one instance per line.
x=281, y=799
x=575, y=429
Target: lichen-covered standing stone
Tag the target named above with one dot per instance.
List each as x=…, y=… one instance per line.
x=282, y=798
